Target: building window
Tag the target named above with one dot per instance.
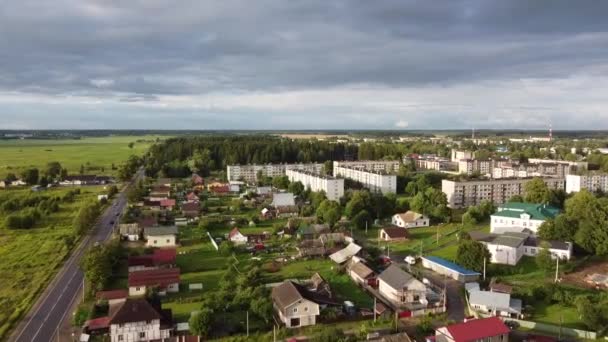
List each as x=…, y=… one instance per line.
x=120, y=338
x=155, y=242
x=167, y=240
x=142, y=334
x=295, y=310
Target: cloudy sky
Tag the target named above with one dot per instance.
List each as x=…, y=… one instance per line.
x=310, y=64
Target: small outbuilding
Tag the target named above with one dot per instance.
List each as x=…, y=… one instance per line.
x=449, y=269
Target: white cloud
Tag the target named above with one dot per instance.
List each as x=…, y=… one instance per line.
x=402, y=124
x=102, y=83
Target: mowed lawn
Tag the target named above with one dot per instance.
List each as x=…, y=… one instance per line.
x=30, y=257
x=93, y=153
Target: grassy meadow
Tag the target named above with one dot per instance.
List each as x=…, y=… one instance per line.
x=31, y=257
x=96, y=154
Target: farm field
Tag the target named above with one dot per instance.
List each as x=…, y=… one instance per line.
x=30, y=257
x=96, y=154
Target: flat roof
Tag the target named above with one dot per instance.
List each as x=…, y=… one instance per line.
x=450, y=265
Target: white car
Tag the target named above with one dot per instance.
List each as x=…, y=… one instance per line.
x=410, y=260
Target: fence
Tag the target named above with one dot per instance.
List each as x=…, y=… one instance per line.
x=217, y=248
x=554, y=329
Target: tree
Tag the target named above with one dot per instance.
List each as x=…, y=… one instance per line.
x=359, y=201
x=200, y=322
x=86, y=217
x=431, y=202
x=516, y=198
x=543, y=258
x=201, y=162
x=97, y=265
x=362, y=219
x=296, y=188
x=560, y=228
x=64, y=173
x=131, y=144
x=282, y=182
x=328, y=167
x=468, y=219
x=536, y=191
x=329, y=212
x=81, y=169
x=590, y=218
x=471, y=255
x=53, y=169
x=30, y=176
x=10, y=177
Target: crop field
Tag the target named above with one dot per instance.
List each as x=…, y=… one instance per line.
x=96, y=154
x=30, y=257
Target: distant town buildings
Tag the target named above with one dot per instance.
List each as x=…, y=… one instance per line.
x=249, y=173
x=461, y=155
x=375, y=181
x=333, y=187
x=465, y=193
x=387, y=166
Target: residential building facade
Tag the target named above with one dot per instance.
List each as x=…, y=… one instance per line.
x=333, y=187
x=410, y=219
x=594, y=182
x=292, y=304
x=490, y=329
x=471, y=166
x=375, y=181
x=136, y=320
x=387, y=166
x=517, y=217
x=401, y=288
x=249, y=173
x=466, y=193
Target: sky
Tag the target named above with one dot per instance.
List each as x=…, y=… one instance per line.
x=310, y=64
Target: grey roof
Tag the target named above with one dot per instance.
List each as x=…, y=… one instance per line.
x=534, y=242
x=157, y=231
x=361, y=270
x=283, y=199
x=128, y=228
x=397, y=278
x=344, y=254
x=493, y=300
x=509, y=240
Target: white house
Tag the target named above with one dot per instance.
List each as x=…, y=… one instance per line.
x=236, y=237
x=293, y=305
x=410, y=219
x=359, y=272
x=518, y=217
x=160, y=236
x=129, y=231
x=137, y=320
x=400, y=287
x=164, y=279
x=495, y=304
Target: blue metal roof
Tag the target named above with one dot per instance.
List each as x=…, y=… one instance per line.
x=452, y=266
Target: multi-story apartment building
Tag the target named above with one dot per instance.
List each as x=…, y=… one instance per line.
x=543, y=169
x=467, y=193
x=593, y=182
x=333, y=187
x=461, y=155
x=375, y=181
x=387, y=166
x=432, y=162
x=249, y=173
x=470, y=166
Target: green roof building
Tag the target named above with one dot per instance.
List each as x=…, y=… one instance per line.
x=521, y=217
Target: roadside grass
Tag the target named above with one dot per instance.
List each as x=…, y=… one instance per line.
x=556, y=313
x=31, y=257
x=93, y=153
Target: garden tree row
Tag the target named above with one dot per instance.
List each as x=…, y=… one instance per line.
x=23, y=211
x=584, y=221
x=98, y=263
x=129, y=168
x=478, y=213
x=237, y=293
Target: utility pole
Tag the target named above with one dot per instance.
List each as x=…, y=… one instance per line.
x=557, y=269
x=247, y=323
x=421, y=244
x=484, y=268
x=375, y=308
x=365, y=228
x=388, y=251
x=83, y=292
x=274, y=333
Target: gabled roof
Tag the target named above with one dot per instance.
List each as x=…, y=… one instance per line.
x=477, y=329
x=284, y=199
x=234, y=232
x=164, y=256
x=344, y=254
x=128, y=228
x=361, y=270
x=450, y=265
x=536, y=211
x=112, y=294
x=149, y=221
x=398, y=279
x=169, y=202
x=553, y=244
x=159, y=231
x=396, y=232
x=289, y=292
x=135, y=310
x=494, y=300
x=410, y=216
x=190, y=206
x=159, y=277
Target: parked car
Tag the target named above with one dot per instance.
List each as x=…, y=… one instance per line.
x=410, y=260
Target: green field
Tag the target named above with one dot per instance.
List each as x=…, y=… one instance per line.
x=94, y=153
x=30, y=257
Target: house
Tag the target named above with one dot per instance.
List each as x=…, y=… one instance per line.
x=360, y=272
x=393, y=234
x=137, y=320
x=266, y=213
x=450, y=269
x=400, y=287
x=517, y=217
x=102, y=197
x=197, y=180
x=80, y=180
x=334, y=238
x=263, y=190
x=164, y=279
x=308, y=232
x=495, y=303
x=296, y=305
x=112, y=296
x=147, y=222
x=311, y=248
x=508, y=248
x=410, y=219
x=161, y=236
x=161, y=257
x=398, y=337
x=129, y=231
x=152, y=205
x=192, y=197
x=283, y=199
x=167, y=204
x=345, y=254
x=235, y=236
x=218, y=188
x=490, y=329
x=191, y=209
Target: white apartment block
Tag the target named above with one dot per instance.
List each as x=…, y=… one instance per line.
x=547, y=168
x=249, y=173
x=461, y=155
x=388, y=166
x=375, y=181
x=593, y=182
x=470, y=166
x=333, y=187
x=466, y=193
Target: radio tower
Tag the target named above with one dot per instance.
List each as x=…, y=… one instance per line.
x=550, y=132
x=473, y=133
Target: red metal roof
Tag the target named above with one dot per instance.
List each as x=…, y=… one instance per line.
x=141, y=260
x=477, y=329
x=98, y=323
x=112, y=294
x=235, y=231
x=161, y=277
x=167, y=202
x=164, y=256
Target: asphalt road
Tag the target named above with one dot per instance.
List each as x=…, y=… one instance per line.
x=41, y=323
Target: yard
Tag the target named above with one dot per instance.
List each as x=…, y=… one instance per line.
x=93, y=153
x=30, y=257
